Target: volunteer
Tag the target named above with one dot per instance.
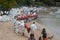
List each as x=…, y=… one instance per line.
x=22, y=26
x=16, y=25
x=33, y=27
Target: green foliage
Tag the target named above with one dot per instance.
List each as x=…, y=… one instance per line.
x=22, y=2
x=39, y=3
x=12, y=3
x=7, y=4
x=4, y=3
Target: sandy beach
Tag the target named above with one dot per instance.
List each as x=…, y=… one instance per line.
x=7, y=32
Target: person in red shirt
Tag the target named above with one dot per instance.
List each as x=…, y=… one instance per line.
x=27, y=26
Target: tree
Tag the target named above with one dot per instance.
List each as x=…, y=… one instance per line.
x=4, y=4
x=7, y=4
x=12, y=4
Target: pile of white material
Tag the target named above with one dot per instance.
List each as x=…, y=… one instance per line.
x=5, y=18
x=51, y=13
x=41, y=9
x=25, y=9
x=53, y=7
x=17, y=11
x=14, y=12
x=58, y=11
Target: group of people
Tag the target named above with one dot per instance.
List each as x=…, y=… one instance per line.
x=22, y=25
x=43, y=36
x=31, y=28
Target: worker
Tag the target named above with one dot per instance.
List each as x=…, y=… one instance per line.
x=16, y=26
x=22, y=26
x=27, y=26
x=33, y=28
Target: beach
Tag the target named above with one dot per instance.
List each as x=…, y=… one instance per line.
x=7, y=32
